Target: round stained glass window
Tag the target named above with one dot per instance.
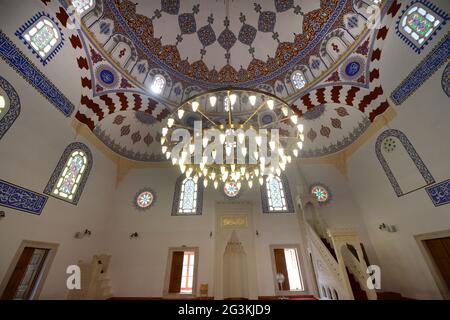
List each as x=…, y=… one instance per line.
x=322, y=194
x=144, y=199
x=231, y=189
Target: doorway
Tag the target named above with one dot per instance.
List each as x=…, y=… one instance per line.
x=436, y=249
x=27, y=271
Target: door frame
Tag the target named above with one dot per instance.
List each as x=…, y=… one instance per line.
x=52, y=247
x=435, y=272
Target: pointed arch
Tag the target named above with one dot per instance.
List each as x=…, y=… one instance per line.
x=188, y=197
x=9, y=106
x=276, y=195
x=70, y=175
x=411, y=153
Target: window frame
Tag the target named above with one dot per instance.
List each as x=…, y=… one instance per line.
x=56, y=175
x=407, y=37
x=23, y=33
x=287, y=195
x=303, y=77
x=301, y=266
x=177, y=198
x=179, y=295
x=161, y=92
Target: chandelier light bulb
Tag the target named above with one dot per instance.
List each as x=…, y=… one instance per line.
x=283, y=166
x=170, y=122
x=212, y=101
x=295, y=152
x=164, y=149
x=285, y=111
x=242, y=170
x=300, y=128
x=302, y=137
x=244, y=151
x=222, y=137
x=174, y=161
x=168, y=154
x=202, y=165
x=270, y=104
x=195, y=105
x=241, y=137
x=250, y=184
x=205, y=172
x=213, y=175
x=233, y=167
x=228, y=150
x=272, y=145
x=238, y=184
x=188, y=172
x=233, y=99
x=216, y=184
x=256, y=155
x=182, y=168
x=164, y=131
x=252, y=100
x=300, y=145
x=191, y=148
x=214, y=154
x=289, y=159
x=205, y=182
x=261, y=181
x=180, y=113
x=163, y=140
x=256, y=172
x=294, y=119
x=222, y=169
x=258, y=140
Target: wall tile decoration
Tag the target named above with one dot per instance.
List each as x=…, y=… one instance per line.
x=18, y=198
x=438, y=56
x=439, y=193
x=19, y=62
x=13, y=112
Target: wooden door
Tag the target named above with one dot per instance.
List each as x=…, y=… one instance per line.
x=280, y=265
x=176, y=271
x=26, y=274
x=440, y=252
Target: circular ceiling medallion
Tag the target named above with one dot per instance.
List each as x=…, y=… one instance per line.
x=353, y=68
x=389, y=144
x=107, y=76
x=446, y=80
x=321, y=192
x=144, y=199
x=231, y=189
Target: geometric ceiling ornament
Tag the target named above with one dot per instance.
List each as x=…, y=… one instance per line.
x=322, y=193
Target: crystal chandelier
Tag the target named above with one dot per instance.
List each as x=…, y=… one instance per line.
x=239, y=135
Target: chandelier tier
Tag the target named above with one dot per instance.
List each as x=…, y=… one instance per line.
x=232, y=135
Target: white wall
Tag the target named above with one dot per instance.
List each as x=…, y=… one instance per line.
x=29, y=152
x=139, y=265
x=423, y=117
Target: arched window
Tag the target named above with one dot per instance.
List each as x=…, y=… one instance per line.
x=83, y=6
x=418, y=23
x=9, y=106
x=276, y=196
x=298, y=80
x=401, y=163
x=42, y=35
x=71, y=173
x=158, y=84
x=188, y=197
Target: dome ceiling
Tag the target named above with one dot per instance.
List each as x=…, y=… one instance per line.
x=200, y=45
x=222, y=42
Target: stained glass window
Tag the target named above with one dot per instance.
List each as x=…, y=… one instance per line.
x=83, y=5
x=298, y=80
x=417, y=25
x=275, y=194
x=158, y=84
x=144, y=199
x=70, y=175
x=321, y=193
x=188, y=196
x=44, y=36
x=231, y=189
x=2, y=105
